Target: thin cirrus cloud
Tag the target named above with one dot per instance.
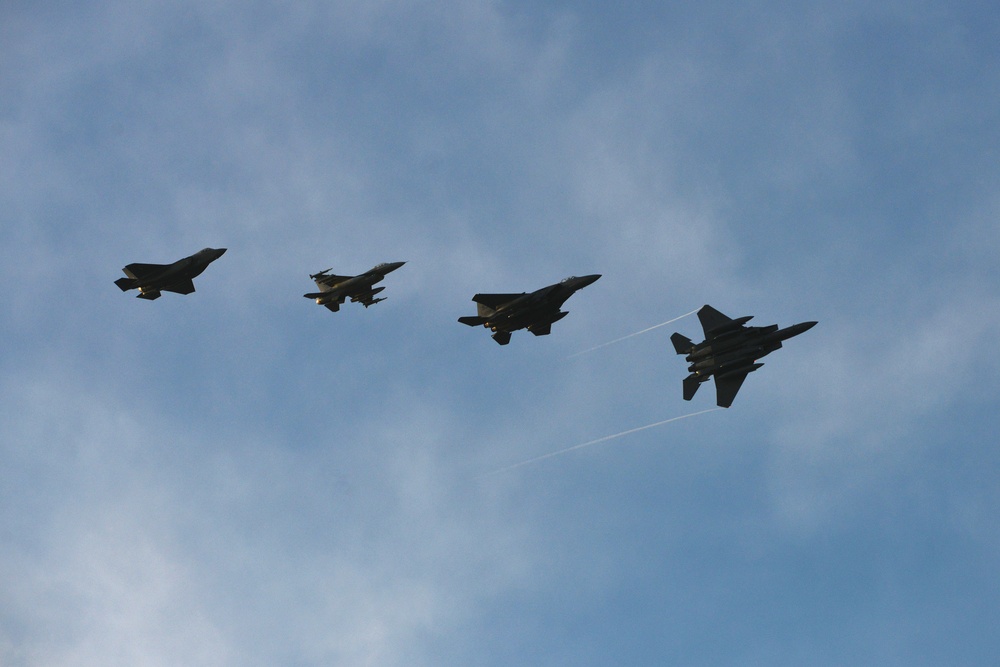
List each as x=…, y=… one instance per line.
x=240, y=476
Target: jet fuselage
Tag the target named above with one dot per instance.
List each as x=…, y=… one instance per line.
x=535, y=311
x=741, y=347
x=729, y=352
x=334, y=290
x=151, y=279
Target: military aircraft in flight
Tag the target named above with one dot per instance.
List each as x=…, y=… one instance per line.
x=334, y=290
x=729, y=352
x=151, y=279
x=505, y=313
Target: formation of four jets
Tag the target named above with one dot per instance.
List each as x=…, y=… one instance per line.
x=729, y=352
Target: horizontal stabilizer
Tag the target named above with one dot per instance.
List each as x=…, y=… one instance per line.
x=682, y=344
x=149, y=296
x=472, y=320
x=126, y=284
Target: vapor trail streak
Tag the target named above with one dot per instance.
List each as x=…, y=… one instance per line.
x=618, y=340
x=596, y=442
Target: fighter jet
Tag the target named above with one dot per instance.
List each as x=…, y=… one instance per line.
x=151, y=279
x=504, y=313
x=729, y=352
x=334, y=290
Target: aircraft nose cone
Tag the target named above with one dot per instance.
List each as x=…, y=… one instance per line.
x=802, y=327
x=219, y=252
x=589, y=280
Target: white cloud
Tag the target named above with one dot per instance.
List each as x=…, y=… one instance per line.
x=240, y=477
x=158, y=544
x=866, y=394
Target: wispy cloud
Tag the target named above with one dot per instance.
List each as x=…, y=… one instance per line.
x=239, y=476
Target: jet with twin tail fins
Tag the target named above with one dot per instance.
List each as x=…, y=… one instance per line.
x=729, y=352
x=151, y=279
x=505, y=313
x=335, y=290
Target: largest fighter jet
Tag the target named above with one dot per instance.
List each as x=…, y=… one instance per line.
x=535, y=311
x=729, y=352
x=151, y=279
x=335, y=290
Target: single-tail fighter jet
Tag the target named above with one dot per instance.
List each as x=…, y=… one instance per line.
x=334, y=290
x=151, y=279
x=504, y=313
x=729, y=352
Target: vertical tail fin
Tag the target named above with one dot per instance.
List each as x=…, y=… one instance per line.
x=502, y=337
x=691, y=385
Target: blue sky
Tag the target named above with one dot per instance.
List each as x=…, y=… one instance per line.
x=239, y=477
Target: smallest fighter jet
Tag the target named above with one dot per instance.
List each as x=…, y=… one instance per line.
x=504, y=313
x=729, y=352
x=151, y=279
x=334, y=290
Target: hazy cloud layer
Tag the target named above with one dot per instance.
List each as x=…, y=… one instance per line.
x=241, y=477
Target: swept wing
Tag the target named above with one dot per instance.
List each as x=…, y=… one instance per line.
x=727, y=386
x=711, y=319
x=140, y=271
x=182, y=287
x=325, y=282
x=494, y=301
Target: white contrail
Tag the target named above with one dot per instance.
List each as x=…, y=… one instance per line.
x=596, y=442
x=618, y=340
